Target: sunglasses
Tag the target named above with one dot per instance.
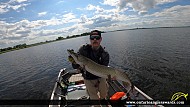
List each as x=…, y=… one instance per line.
x=95, y=37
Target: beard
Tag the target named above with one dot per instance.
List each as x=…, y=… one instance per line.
x=95, y=42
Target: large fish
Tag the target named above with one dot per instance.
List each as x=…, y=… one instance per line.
x=100, y=70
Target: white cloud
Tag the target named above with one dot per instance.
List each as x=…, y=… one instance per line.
x=69, y=15
x=97, y=9
x=142, y=12
x=111, y=2
x=16, y=7
x=174, y=12
x=171, y=17
x=60, y=1
x=69, y=18
x=18, y=1
x=83, y=19
x=104, y=19
x=12, y=4
x=97, y=18
x=26, y=30
x=91, y=7
x=122, y=4
x=101, y=11
x=141, y=6
x=109, y=19
x=3, y=9
x=42, y=14
x=164, y=1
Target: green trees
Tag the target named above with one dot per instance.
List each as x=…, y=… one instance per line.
x=60, y=38
x=21, y=46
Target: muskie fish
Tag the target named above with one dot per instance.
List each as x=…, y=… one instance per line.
x=100, y=70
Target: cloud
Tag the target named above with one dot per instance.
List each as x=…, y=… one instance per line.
x=14, y=30
x=26, y=30
x=164, y=1
x=19, y=1
x=141, y=6
x=3, y=9
x=60, y=2
x=170, y=17
x=99, y=21
x=69, y=18
x=109, y=19
x=122, y=4
x=16, y=7
x=97, y=9
x=174, y=12
x=114, y=17
x=42, y=14
x=111, y=2
x=142, y=12
x=12, y=4
x=83, y=19
x=103, y=19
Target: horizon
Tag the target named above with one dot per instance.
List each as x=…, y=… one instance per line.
x=34, y=21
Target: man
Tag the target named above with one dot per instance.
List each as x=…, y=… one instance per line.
x=95, y=52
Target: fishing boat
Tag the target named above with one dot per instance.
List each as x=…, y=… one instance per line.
x=70, y=91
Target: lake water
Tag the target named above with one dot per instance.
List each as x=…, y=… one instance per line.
x=157, y=61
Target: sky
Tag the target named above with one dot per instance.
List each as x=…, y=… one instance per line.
x=33, y=21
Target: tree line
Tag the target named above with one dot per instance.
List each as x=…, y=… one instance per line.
x=21, y=46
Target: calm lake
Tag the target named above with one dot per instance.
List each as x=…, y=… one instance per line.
x=157, y=61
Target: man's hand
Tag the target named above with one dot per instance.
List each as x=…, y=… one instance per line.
x=70, y=59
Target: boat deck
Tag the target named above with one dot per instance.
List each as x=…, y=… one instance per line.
x=77, y=90
x=76, y=77
x=115, y=86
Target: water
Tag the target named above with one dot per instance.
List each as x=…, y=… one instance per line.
x=157, y=61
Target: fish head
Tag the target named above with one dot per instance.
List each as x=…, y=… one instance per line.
x=79, y=59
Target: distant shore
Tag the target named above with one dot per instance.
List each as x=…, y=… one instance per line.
x=146, y=28
x=22, y=46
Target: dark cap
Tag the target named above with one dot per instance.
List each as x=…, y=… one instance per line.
x=95, y=32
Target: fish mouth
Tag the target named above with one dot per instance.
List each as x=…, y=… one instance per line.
x=72, y=53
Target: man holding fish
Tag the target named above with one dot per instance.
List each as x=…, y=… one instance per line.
x=92, y=60
x=95, y=52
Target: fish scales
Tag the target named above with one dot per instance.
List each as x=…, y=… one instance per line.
x=99, y=70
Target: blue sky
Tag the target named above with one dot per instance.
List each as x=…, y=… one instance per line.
x=32, y=21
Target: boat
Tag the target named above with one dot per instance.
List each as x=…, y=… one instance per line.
x=70, y=91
